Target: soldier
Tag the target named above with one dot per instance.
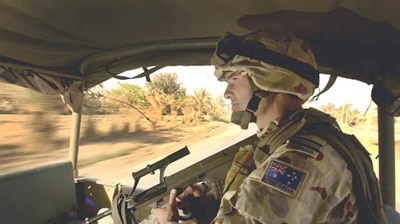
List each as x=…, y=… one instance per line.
x=302, y=169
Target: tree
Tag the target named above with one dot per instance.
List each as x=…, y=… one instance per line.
x=163, y=92
x=93, y=103
x=130, y=93
x=188, y=105
x=329, y=108
x=342, y=114
x=202, y=99
x=166, y=83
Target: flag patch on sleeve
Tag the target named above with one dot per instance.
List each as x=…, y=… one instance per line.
x=284, y=177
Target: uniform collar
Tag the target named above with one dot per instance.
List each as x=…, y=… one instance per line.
x=275, y=124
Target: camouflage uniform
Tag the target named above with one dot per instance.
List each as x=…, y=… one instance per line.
x=291, y=184
x=291, y=175
x=283, y=181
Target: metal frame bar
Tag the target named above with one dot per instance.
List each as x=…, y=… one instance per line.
x=74, y=139
x=204, y=43
x=387, y=157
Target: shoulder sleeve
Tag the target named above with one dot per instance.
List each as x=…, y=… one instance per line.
x=241, y=167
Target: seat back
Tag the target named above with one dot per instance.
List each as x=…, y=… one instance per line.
x=37, y=195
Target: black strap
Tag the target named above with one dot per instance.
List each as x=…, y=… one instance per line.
x=252, y=106
x=119, y=209
x=254, y=102
x=331, y=81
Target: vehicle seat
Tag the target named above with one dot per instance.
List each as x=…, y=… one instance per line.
x=44, y=194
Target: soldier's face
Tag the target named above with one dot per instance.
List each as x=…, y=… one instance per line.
x=238, y=90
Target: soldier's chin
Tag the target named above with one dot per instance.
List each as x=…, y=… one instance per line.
x=241, y=118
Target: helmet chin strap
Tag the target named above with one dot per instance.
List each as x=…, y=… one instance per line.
x=241, y=118
x=244, y=117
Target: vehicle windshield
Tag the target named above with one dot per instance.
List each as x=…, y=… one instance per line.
x=127, y=125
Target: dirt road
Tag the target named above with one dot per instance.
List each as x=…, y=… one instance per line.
x=120, y=169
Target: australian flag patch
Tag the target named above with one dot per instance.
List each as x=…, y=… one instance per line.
x=284, y=177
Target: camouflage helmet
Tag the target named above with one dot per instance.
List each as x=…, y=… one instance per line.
x=275, y=62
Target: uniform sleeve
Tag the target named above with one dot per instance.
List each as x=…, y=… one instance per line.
x=241, y=167
x=294, y=186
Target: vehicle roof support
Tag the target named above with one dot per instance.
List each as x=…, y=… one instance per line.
x=74, y=139
x=387, y=157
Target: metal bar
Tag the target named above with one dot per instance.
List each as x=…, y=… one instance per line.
x=204, y=43
x=387, y=157
x=74, y=139
x=98, y=217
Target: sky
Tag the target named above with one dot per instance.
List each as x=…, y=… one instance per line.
x=344, y=91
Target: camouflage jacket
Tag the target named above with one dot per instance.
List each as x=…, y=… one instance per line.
x=290, y=178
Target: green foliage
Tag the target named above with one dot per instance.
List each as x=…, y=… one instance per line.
x=166, y=83
x=164, y=92
x=130, y=93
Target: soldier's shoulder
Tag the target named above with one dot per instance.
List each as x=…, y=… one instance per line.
x=310, y=145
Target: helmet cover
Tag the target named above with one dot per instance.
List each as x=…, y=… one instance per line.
x=275, y=62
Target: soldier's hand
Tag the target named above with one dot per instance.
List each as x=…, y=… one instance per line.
x=169, y=212
x=194, y=204
x=196, y=190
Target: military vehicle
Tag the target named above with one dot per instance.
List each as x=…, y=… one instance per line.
x=68, y=47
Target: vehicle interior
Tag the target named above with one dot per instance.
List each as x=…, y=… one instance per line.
x=68, y=47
